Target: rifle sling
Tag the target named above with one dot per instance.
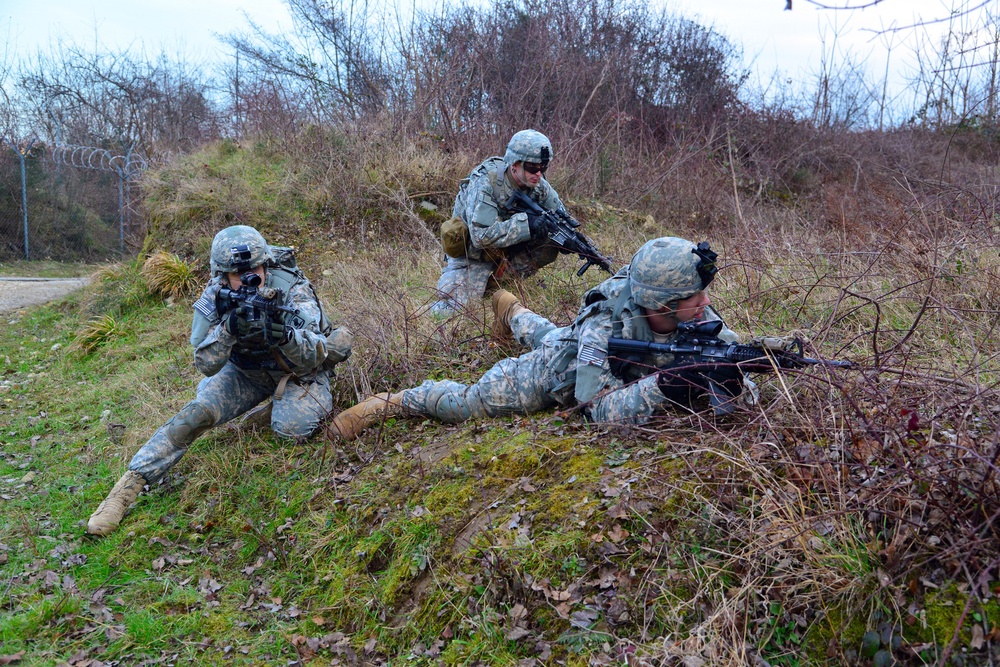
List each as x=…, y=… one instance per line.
x=289, y=373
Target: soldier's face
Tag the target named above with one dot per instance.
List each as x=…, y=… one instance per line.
x=234, y=277
x=664, y=321
x=693, y=307
x=526, y=177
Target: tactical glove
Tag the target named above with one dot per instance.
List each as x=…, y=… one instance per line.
x=536, y=225
x=235, y=322
x=278, y=332
x=682, y=384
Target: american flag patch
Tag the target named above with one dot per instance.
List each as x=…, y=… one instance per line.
x=205, y=306
x=592, y=355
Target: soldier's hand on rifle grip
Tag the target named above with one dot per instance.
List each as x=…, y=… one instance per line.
x=235, y=323
x=536, y=225
x=679, y=385
x=278, y=332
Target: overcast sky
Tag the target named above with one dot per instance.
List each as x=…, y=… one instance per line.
x=773, y=38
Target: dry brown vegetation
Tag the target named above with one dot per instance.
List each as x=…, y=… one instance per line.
x=846, y=502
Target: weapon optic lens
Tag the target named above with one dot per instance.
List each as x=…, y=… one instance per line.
x=700, y=328
x=251, y=279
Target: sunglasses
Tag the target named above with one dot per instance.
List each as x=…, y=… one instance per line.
x=534, y=168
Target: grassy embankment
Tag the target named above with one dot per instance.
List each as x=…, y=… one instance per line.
x=846, y=503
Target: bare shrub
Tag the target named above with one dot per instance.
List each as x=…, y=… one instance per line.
x=117, y=99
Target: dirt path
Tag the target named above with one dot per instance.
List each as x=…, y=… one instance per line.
x=18, y=293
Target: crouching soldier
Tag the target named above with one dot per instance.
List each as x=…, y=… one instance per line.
x=259, y=332
x=487, y=236
x=664, y=286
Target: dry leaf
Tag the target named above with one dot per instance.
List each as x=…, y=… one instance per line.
x=617, y=534
x=978, y=638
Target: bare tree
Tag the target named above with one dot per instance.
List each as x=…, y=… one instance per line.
x=101, y=99
x=962, y=8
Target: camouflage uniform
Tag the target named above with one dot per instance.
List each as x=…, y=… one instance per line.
x=517, y=385
x=499, y=240
x=241, y=372
x=568, y=365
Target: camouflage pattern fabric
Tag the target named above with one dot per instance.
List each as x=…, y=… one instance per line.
x=634, y=397
x=528, y=146
x=664, y=270
x=303, y=353
x=566, y=365
x=229, y=391
x=225, y=396
x=221, y=258
x=608, y=398
x=462, y=281
x=494, y=230
x=519, y=385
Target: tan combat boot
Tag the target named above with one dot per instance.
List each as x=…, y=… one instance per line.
x=352, y=421
x=505, y=307
x=109, y=513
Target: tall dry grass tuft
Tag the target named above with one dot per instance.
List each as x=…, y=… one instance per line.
x=168, y=275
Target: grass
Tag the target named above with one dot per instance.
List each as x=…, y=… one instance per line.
x=169, y=276
x=45, y=269
x=788, y=531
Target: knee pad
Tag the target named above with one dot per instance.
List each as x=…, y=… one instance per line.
x=448, y=402
x=193, y=420
x=542, y=332
x=292, y=430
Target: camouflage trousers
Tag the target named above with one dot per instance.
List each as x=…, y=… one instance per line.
x=529, y=383
x=295, y=413
x=464, y=280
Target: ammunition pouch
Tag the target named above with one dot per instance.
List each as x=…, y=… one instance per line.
x=454, y=237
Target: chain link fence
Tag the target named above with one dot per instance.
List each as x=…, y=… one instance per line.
x=81, y=203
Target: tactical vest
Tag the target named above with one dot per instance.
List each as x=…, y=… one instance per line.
x=284, y=274
x=627, y=321
x=493, y=168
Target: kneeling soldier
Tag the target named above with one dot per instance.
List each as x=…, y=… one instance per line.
x=258, y=332
x=485, y=238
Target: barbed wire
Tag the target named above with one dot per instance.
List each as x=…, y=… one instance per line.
x=127, y=166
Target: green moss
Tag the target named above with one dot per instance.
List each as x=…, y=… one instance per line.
x=941, y=612
x=843, y=629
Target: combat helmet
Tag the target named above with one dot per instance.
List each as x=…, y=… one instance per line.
x=668, y=269
x=238, y=249
x=528, y=146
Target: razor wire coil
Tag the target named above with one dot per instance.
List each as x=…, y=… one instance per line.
x=127, y=166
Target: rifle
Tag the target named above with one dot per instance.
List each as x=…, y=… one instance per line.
x=697, y=344
x=256, y=301
x=698, y=348
x=561, y=230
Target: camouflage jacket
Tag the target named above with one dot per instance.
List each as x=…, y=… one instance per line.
x=631, y=396
x=481, y=204
x=303, y=353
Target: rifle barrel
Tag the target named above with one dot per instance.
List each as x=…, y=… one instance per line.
x=719, y=351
